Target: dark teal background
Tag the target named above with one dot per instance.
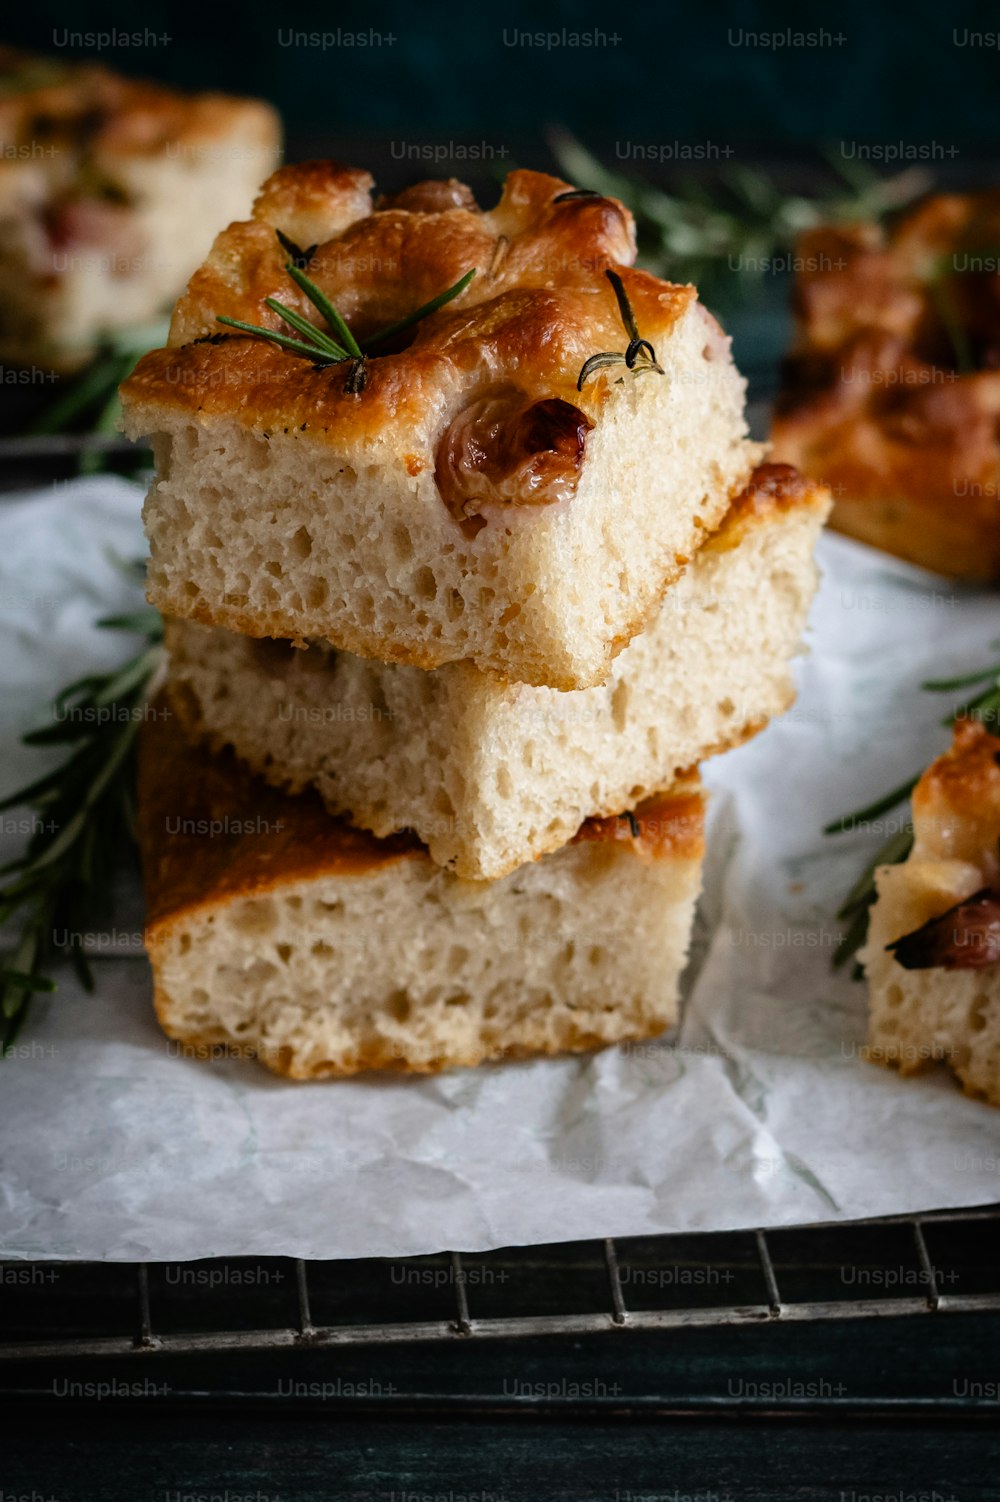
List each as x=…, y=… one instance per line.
x=898, y=74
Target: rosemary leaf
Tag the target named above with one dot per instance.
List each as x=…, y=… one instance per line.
x=309, y=330
x=70, y=859
x=597, y=362
x=32, y=793
x=639, y=349
x=896, y=848
x=624, y=306
x=872, y=810
x=295, y=345
x=945, y=685
x=141, y=622
x=701, y=229
x=323, y=305
x=25, y=981
x=296, y=254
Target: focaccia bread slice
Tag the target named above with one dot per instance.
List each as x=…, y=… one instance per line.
x=933, y=953
x=278, y=931
x=892, y=392
x=111, y=192
x=454, y=495
x=491, y=775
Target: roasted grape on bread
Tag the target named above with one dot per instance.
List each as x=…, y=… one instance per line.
x=468, y=490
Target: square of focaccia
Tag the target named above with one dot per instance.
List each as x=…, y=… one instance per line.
x=280, y=932
x=465, y=500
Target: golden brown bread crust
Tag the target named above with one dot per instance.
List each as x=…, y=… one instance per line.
x=539, y=305
x=76, y=106
x=891, y=392
x=209, y=831
x=956, y=803
x=107, y=192
x=771, y=488
x=665, y=825
x=381, y=1057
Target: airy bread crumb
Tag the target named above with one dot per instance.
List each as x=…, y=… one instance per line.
x=491, y=775
x=278, y=931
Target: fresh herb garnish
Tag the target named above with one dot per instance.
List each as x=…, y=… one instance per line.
x=855, y=910
x=84, y=816
x=723, y=232
x=640, y=354
x=91, y=399
x=316, y=344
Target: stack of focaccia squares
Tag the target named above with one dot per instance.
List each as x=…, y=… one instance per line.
x=467, y=562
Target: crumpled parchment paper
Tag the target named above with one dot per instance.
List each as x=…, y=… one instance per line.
x=761, y=1111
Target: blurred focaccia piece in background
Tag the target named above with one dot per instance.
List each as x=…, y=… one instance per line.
x=891, y=391
x=111, y=193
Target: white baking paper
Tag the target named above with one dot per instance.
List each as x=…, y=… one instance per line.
x=760, y=1113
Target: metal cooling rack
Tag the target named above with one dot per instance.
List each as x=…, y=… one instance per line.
x=951, y=1266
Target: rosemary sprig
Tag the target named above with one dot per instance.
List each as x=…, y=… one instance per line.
x=855, y=910
x=316, y=344
x=640, y=354
x=92, y=398
x=722, y=233
x=83, y=816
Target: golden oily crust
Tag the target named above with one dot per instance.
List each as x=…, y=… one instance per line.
x=538, y=307
x=771, y=489
x=891, y=393
x=956, y=803
x=72, y=105
x=383, y=1056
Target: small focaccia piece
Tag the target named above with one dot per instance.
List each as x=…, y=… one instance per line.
x=892, y=393
x=468, y=501
x=932, y=957
x=111, y=192
x=490, y=774
x=277, y=930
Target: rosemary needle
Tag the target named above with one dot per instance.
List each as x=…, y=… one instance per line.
x=723, y=234
x=319, y=346
x=640, y=354
x=84, y=818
